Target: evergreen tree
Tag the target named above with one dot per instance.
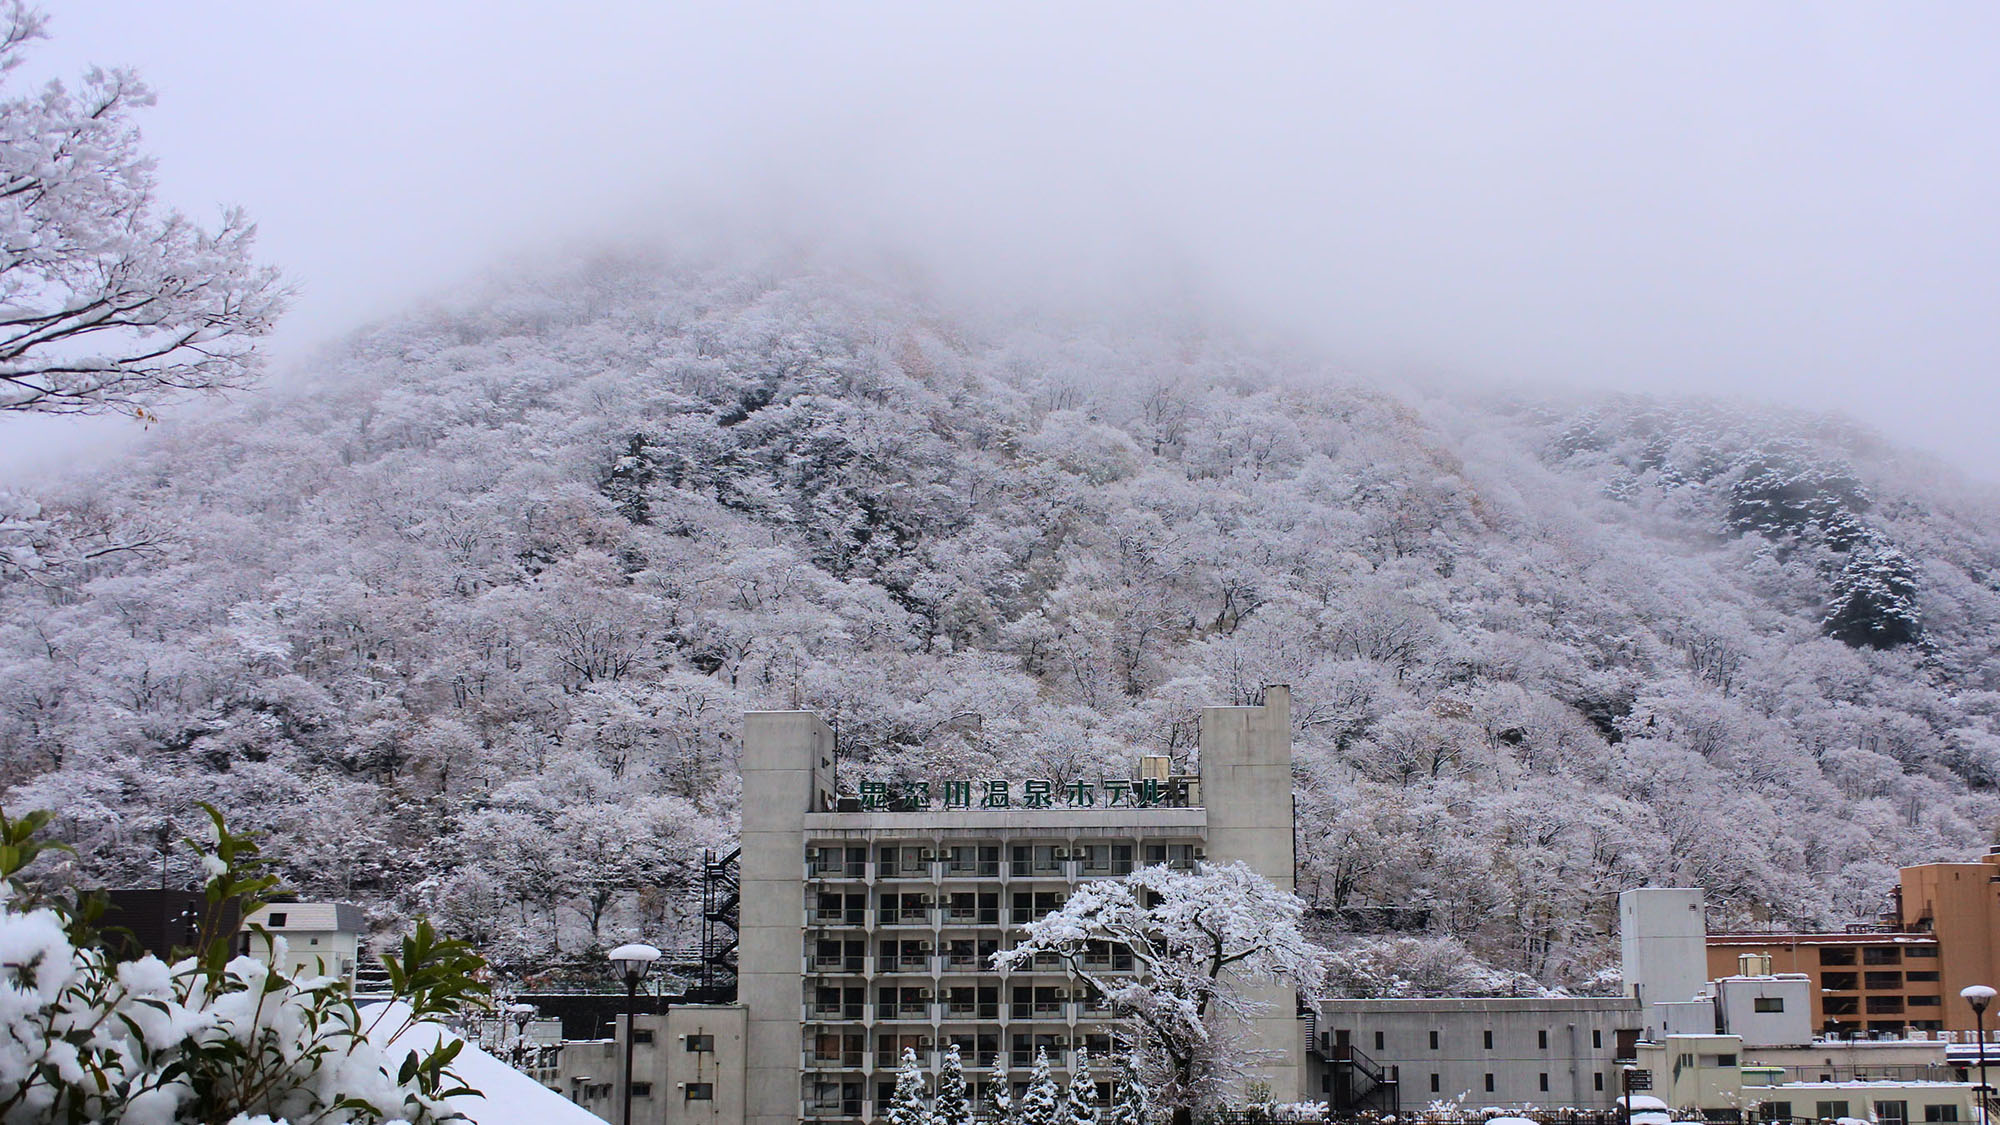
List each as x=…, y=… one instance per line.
x=1038, y=1104
x=953, y=1107
x=1082, y=1092
x=1129, y=1101
x=1003, y=1102
x=906, y=1105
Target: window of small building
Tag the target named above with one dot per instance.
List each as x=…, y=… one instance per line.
x=1769, y=1004
x=1597, y=1081
x=1489, y=1083
x=1597, y=1039
x=274, y=921
x=1892, y=1113
x=1776, y=1111
x=1434, y=1083
x=1488, y=1039
x=1940, y=1113
x=642, y=1036
x=642, y=1089
x=701, y=1091
x=1543, y=1078
x=1378, y=1040
x=701, y=1043
x=1434, y=1040
x=1827, y=1111
x=1542, y=1039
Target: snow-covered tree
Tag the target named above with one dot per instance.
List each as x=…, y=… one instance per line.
x=108, y=303
x=1198, y=939
x=907, y=1102
x=1041, y=1102
x=1130, y=1102
x=86, y=1037
x=1081, y=1099
x=952, y=1107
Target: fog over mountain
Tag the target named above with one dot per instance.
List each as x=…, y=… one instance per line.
x=467, y=618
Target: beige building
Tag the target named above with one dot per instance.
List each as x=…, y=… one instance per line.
x=867, y=922
x=687, y=1068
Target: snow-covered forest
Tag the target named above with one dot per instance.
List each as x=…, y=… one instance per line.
x=467, y=620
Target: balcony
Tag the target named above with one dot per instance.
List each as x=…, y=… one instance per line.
x=904, y=963
x=907, y=915
x=904, y=1010
x=844, y=916
x=850, y=963
x=818, y=1012
x=955, y=915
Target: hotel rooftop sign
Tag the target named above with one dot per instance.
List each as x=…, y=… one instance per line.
x=1032, y=793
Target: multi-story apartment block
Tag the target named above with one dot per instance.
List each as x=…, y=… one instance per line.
x=869, y=922
x=1903, y=973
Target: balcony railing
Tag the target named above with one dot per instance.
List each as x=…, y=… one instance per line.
x=917, y=1010
x=846, y=916
x=846, y=964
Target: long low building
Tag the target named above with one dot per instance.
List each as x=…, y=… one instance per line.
x=1512, y=1053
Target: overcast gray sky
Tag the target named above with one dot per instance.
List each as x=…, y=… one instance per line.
x=1791, y=201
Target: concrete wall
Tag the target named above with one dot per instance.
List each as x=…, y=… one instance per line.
x=1737, y=1000
x=1663, y=940
x=1568, y=1045
x=1246, y=787
x=787, y=772
x=664, y=1068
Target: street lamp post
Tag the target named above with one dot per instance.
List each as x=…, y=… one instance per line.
x=632, y=961
x=521, y=1014
x=1979, y=996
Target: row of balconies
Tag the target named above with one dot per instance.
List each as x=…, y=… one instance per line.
x=935, y=963
x=930, y=1059
x=907, y=863
x=933, y=915
x=936, y=1011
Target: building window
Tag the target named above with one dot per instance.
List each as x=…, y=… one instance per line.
x=1488, y=1037
x=1940, y=1113
x=1924, y=1001
x=642, y=1036
x=1776, y=1111
x=1489, y=1083
x=1597, y=1039
x=1597, y=1081
x=1378, y=1040
x=1923, y=951
x=1434, y=1083
x=1434, y=1040
x=1542, y=1039
x=1884, y=1005
x=275, y=921
x=1770, y=1004
x=1840, y=982
x=1892, y=1113
x=1882, y=955
x=1921, y=974
x=1544, y=1079
x=1836, y=957
x=642, y=1089
x=701, y=1091
x=1828, y=1111
x=1882, y=982
x=701, y=1043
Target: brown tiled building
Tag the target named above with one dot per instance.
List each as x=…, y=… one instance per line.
x=1903, y=974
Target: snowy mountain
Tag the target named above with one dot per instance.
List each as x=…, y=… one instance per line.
x=467, y=622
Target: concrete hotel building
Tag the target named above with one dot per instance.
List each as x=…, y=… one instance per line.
x=865, y=931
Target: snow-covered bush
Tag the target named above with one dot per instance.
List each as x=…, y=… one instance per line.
x=212, y=1037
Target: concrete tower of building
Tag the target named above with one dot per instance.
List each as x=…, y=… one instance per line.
x=868, y=922
x=1663, y=940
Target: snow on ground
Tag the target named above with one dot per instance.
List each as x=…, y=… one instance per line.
x=506, y=1096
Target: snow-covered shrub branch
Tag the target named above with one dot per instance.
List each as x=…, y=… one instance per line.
x=214, y=1036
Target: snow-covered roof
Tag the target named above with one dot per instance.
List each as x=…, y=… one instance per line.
x=341, y=917
x=506, y=1096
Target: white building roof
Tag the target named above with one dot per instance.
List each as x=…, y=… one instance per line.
x=318, y=917
x=506, y=1096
